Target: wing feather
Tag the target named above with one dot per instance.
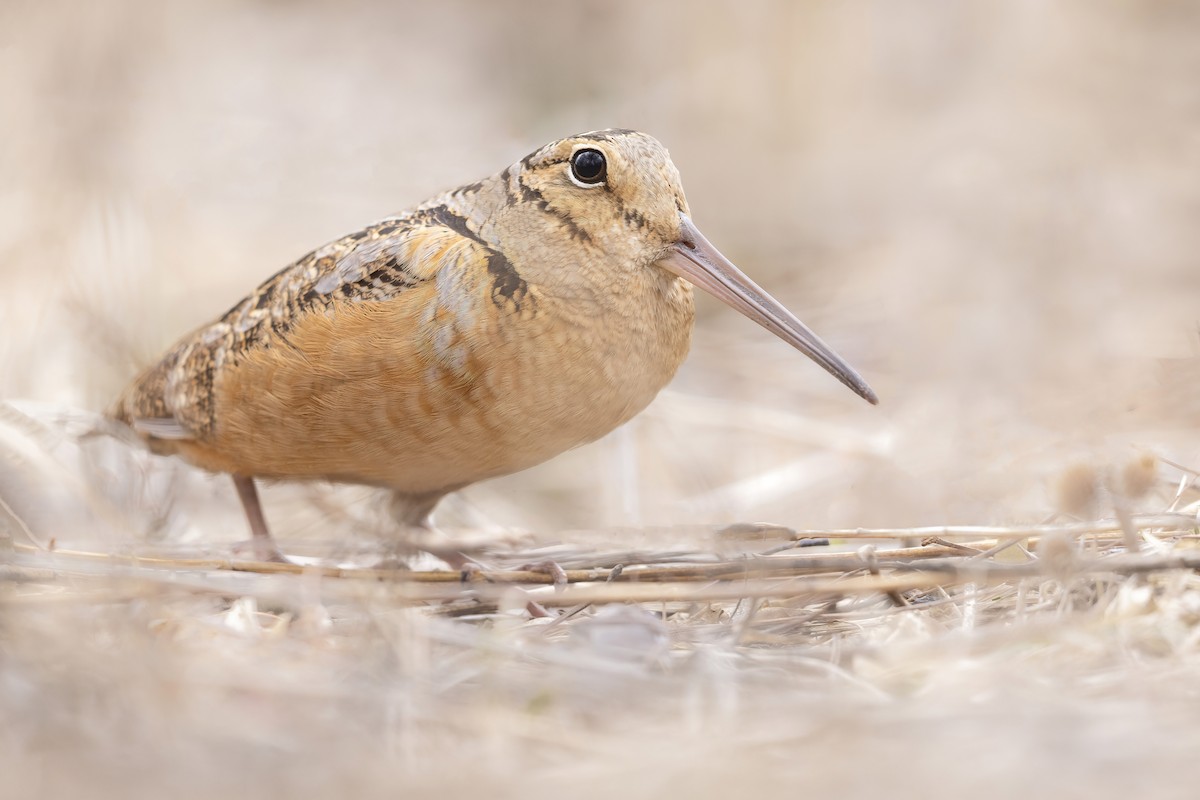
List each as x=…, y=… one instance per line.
x=173, y=400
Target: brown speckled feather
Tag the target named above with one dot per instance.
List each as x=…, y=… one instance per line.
x=372, y=265
x=478, y=334
x=414, y=354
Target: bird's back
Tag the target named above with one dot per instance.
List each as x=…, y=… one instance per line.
x=173, y=399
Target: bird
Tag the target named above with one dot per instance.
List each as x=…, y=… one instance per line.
x=475, y=335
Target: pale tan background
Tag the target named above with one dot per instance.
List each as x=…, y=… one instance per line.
x=991, y=208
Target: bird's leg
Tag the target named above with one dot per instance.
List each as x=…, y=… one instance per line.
x=414, y=513
x=263, y=546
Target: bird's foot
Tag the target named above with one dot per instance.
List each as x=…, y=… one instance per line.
x=548, y=567
x=470, y=569
x=557, y=574
x=261, y=550
x=393, y=562
x=458, y=560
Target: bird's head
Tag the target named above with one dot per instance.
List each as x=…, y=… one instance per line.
x=613, y=189
x=617, y=195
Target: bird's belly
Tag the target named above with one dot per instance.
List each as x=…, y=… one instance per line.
x=411, y=419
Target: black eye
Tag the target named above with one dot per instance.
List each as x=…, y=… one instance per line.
x=589, y=166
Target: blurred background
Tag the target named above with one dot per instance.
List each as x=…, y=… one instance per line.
x=989, y=208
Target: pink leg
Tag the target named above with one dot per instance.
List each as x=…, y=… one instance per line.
x=413, y=512
x=264, y=546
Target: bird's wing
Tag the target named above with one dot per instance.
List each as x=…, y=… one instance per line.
x=173, y=400
x=165, y=428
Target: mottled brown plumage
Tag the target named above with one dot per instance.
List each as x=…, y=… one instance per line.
x=481, y=333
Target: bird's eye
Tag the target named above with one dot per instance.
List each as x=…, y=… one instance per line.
x=588, y=167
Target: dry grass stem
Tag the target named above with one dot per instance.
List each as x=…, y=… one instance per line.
x=989, y=209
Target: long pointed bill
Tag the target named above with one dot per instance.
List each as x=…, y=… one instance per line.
x=696, y=260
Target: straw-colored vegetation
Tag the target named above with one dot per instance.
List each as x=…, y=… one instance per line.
x=985, y=587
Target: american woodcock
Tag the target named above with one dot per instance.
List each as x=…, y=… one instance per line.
x=485, y=331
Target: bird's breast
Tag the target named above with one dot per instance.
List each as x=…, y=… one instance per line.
x=576, y=366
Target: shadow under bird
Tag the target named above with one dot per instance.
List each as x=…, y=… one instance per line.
x=478, y=334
